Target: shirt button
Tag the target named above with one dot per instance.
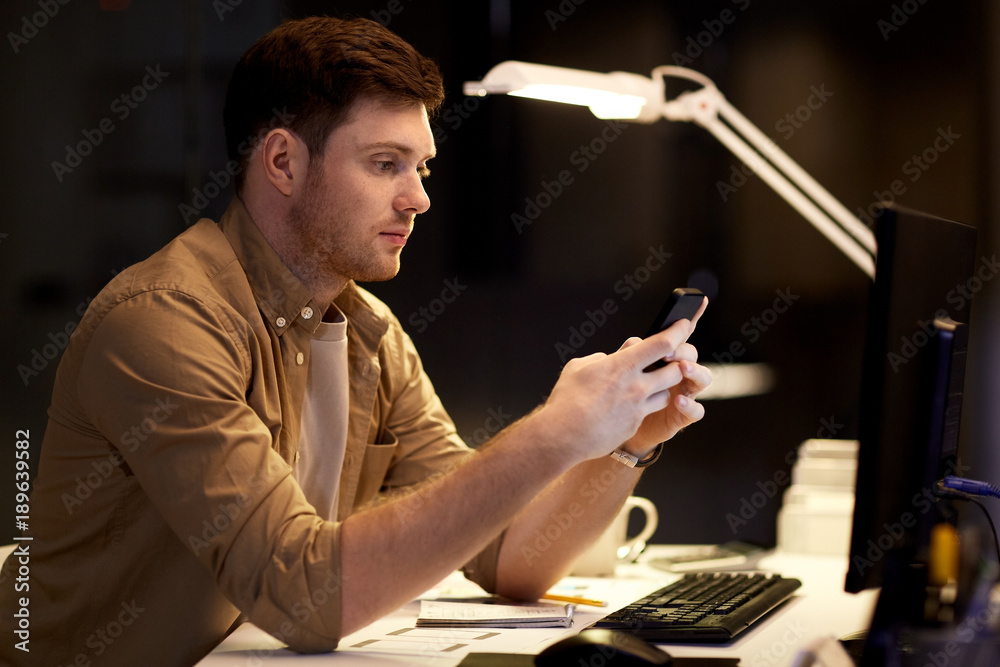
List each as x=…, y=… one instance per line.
x=307, y=312
x=281, y=321
x=300, y=358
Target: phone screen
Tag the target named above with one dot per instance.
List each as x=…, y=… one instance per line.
x=682, y=304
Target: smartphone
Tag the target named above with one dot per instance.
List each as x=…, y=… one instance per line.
x=682, y=304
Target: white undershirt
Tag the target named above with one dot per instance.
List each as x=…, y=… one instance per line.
x=323, y=436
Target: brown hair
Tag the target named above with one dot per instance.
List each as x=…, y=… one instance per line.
x=305, y=74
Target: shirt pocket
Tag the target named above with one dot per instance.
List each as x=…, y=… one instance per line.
x=374, y=466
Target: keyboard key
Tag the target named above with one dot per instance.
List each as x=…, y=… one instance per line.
x=705, y=607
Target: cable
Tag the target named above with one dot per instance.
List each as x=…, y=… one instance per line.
x=945, y=488
x=971, y=486
x=683, y=73
x=993, y=528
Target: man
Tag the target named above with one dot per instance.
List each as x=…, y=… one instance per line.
x=239, y=431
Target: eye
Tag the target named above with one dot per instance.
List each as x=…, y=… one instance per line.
x=423, y=172
x=384, y=165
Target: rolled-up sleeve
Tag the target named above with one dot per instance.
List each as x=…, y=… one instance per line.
x=166, y=379
x=429, y=444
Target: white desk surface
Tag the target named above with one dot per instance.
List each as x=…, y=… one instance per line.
x=819, y=609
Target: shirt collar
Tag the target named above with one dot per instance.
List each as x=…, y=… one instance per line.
x=360, y=313
x=281, y=297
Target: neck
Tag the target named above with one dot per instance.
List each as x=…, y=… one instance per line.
x=293, y=252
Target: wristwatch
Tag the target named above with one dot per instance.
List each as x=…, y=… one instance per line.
x=632, y=461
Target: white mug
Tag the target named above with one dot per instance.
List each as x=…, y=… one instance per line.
x=611, y=547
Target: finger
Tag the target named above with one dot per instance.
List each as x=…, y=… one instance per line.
x=663, y=380
x=686, y=352
x=583, y=361
x=662, y=345
x=697, y=316
x=697, y=378
x=687, y=325
x=691, y=409
x=629, y=342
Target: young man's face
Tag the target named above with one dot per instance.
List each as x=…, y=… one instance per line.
x=360, y=199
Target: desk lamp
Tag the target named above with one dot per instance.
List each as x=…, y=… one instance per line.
x=633, y=97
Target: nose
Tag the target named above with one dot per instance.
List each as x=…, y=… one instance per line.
x=413, y=199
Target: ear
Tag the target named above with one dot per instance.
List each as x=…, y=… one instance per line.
x=284, y=159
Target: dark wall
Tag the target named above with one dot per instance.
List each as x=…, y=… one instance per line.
x=852, y=90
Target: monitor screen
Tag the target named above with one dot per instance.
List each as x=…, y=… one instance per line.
x=912, y=376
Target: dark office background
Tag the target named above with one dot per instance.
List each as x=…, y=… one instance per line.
x=867, y=85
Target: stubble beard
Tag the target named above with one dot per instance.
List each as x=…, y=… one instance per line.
x=322, y=257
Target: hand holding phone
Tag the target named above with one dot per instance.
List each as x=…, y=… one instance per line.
x=682, y=304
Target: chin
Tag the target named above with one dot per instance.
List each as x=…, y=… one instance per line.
x=377, y=276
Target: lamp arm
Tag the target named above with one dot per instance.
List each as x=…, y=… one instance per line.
x=805, y=206
x=797, y=174
x=707, y=105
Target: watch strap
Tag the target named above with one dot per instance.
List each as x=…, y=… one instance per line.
x=632, y=461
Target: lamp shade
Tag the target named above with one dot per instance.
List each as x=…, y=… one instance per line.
x=612, y=95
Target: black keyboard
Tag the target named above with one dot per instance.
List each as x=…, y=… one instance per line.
x=703, y=607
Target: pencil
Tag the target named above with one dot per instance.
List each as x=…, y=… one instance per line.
x=574, y=600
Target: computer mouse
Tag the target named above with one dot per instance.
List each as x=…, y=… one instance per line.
x=615, y=648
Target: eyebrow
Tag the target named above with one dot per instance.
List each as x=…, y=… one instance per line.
x=399, y=148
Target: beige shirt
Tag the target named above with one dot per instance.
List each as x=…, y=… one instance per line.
x=165, y=505
x=325, y=415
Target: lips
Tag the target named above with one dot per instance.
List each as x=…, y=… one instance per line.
x=398, y=235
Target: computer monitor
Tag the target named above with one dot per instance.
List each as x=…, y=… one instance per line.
x=907, y=430
x=912, y=377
